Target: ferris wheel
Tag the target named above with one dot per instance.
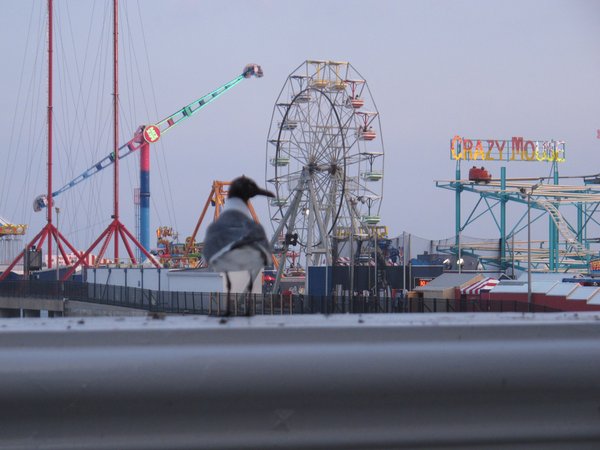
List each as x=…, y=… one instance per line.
x=324, y=160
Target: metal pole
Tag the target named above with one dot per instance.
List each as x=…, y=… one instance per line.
x=552, y=228
x=503, y=200
x=459, y=262
x=410, y=280
x=513, y=255
x=116, y=119
x=57, y=271
x=50, y=106
x=403, y=263
x=529, y=247
x=351, y=260
x=375, y=233
x=457, y=191
x=309, y=242
x=327, y=290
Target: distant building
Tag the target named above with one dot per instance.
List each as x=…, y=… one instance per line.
x=559, y=291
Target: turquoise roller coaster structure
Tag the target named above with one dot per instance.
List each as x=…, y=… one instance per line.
x=570, y=211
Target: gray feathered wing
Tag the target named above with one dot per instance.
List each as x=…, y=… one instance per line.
x=232, y=230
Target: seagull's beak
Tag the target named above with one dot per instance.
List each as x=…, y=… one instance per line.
x=265, y=193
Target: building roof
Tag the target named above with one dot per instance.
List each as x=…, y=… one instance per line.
x=583, y=292
x=562, y=289
x=594, y=299
x=519, y=287
x=451, y=280
x=542, y=287
x=510, y=288
x=546, y=276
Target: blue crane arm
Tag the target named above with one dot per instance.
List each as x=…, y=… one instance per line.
x=162, y=127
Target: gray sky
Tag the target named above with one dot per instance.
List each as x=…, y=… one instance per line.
x=435, y=69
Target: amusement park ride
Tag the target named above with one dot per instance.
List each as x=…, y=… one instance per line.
x=150, y=134
x=325, y=164
x=11, y=236
x=570, y=211
x=11, y=229
x=49, y=233
x=143, y=137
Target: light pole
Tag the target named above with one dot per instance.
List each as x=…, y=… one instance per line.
x=376, y=250
x=309, y=241
x=57, y=209
x=459, y=261
x=352, y=256
x=529, y=248
x=528, y=195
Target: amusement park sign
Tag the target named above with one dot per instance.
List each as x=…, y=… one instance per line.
x=517, y=149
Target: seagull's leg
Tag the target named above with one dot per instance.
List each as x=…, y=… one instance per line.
x=249, y=291
x=227, y=311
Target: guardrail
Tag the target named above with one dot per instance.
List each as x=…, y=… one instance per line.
x=214, y=303
x=452, y=381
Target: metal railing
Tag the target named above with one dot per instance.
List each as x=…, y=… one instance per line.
x=447, y=381
x=215, y=303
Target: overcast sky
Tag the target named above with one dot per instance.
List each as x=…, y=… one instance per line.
x=435, y=69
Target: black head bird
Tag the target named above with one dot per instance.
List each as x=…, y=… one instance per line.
x=245, y=188
x=235, y=242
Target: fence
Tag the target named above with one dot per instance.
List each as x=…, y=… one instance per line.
x=214, y=303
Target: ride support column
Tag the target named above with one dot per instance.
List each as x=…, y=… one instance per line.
x=503, y=263
x=145, y=196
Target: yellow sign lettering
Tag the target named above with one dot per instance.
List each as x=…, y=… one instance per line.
x=456, y=145
x=500, y=149
x=506, y=150
x=479, y=151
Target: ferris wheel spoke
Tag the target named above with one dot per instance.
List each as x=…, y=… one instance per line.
x=331, y=124
x=296, y=153
x=321, y=227
x=328, y=146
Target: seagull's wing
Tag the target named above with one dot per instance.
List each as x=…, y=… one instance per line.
x=255, y=237
x=233, y=229
x=227, y=229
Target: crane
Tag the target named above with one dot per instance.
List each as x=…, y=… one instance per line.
x=143, y=137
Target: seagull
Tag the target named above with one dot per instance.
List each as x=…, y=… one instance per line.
x=235, y=242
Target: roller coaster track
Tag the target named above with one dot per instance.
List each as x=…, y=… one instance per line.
x=563, y=227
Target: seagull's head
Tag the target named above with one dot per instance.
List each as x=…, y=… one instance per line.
x=245, y=188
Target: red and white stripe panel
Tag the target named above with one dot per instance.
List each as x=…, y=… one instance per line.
x=485, y=284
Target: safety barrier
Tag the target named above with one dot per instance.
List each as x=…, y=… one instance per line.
x=215, y=303
x=452, y=381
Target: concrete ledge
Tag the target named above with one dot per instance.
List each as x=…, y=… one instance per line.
x=74, y=308
x=328, y=382
x=31, y=304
